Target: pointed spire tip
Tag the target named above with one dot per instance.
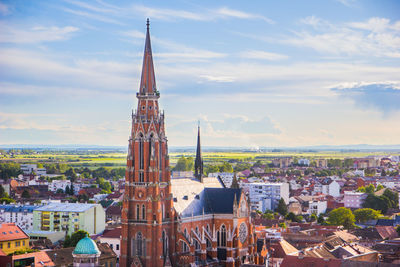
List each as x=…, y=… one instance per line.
x=148, y=23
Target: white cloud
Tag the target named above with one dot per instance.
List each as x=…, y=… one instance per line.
x=37, y=34
x=377, y=38
x=256, y=54
x=4, y=9
x=227, y=12
x=93, y=16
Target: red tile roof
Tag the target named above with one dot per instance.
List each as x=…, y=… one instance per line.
x=10, y=231
x=114, y=233
x=41, y=258
x=290, y=261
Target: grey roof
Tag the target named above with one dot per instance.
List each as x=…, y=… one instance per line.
x=220, y=200
x=18, y=208
x=67, y=207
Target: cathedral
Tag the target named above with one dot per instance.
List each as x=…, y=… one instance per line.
x=166, y=221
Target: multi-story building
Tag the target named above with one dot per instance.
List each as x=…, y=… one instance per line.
x=32, y=168
x=69, y=217
x=321, y=163
x=59, y=184
x=282, y=162
x=21, y=215
x=226, y=177
x=317, y=207
x=12, y=238
x=354, y=199
x=265, y=196
x=304, y=162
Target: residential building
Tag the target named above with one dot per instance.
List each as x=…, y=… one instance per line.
x=113, y=239
x=12, y=238
x=304, y=162
x=354, y=199
x=69, y=217
x=21, y=215
x=317, y=207
x=59, y=184
x=32, y=168
x=321, y=163
x=226, y=177
x=265, y=196
x=282, y=162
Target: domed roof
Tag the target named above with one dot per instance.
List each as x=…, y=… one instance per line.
x=86, y=246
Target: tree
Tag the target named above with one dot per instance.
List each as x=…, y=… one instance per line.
x=313, y=217
x=71, y=241
x=379, y=187
x=383, y=173
x=321, y=219
x=184, y=164
x=104, y=185
x=366, y=214
x=370, y=189
x=60, y=191
x=268, y=214
x=25, y=194
x=341, y=216
x=72, y=190
x=282, y=225
x=282, y=208
x=7, y=200
x=211, y=169
x=225, y=167
x=3, y=192
x=9, y=170
x=393, y=198
x=67, y=190
x=292, y=217
x=71, y=175
x=398, y=230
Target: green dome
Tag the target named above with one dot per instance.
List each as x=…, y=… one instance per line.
x=86, y=246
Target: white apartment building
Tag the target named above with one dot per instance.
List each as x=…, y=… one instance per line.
x=331, y=188
x=113, y=239
x=304, y=162
x=354, y=199
x=317, y=207
x=21, y=215
x=30, y=168
x=265, y=196
x=59, y=184
x=226, y=177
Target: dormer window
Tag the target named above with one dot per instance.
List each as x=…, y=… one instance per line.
x=150, y=107
x=143, y=107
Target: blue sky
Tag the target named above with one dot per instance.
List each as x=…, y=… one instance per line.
x=269, y=73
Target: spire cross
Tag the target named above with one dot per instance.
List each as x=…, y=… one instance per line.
x=148, y=23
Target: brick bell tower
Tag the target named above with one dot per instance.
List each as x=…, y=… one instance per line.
x=147, y=213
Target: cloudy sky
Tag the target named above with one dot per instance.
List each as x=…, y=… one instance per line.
x=269, y=73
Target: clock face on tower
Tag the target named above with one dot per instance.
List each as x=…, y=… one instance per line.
x=140, y=194
x=242, y=232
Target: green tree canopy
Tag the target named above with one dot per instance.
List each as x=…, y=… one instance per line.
x=71, y=241
x=366, y=214
x=282, y=207
x=184, y=164
x=3, y=192
x=9, y=170
x=313, y=217
x=341, y=216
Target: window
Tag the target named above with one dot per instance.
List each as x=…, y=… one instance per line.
x=117, y=247
x=223, y=236
x=165, y=243
x=23, y=243
x=8, y=245
x=1, y=246
x=17, y=243
x=137, y=212
x=160, y=160
x=143, y=212
x=141, y=152
x=139, y=240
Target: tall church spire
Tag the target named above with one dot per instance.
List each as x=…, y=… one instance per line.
x=148, y=79
x=198, y=164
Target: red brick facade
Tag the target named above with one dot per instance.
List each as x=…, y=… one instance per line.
x=153, y=233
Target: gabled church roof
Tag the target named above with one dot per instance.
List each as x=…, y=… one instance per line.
x=220, y=200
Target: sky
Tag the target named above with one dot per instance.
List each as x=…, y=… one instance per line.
x=259, y=73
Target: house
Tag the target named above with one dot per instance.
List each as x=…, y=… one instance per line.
x=12, y=238
x=113, y=239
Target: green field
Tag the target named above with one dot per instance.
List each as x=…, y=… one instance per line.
x=93, y=160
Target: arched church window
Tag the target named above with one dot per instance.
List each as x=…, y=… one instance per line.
x=165, y=243
x=139, y=246
x=143, y=212
x=223, y=236
x=137, y=212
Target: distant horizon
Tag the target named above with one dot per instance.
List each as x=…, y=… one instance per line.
x=355, y=147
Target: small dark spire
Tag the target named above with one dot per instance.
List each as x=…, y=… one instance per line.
x=148, y=23
x=198, y=163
